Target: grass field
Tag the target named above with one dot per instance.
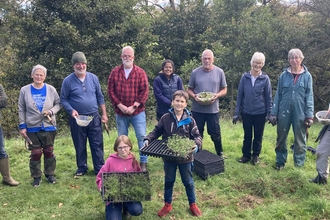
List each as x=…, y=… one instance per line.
x=243, y=191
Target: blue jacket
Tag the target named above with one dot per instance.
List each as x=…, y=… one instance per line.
x=164, y=89
x=295, y=97
x=254, y=100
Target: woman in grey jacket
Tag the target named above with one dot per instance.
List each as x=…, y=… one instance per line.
x=37, y=105
x=254, y=100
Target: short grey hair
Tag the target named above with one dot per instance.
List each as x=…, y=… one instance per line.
x=295, y=52
x=258, y=56
x=39, y=67
x=208, y=51
x=127, y=47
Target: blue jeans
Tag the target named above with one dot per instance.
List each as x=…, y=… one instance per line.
x=3, y=153
x=185, y=170
x=140, y=126
x=114, y=211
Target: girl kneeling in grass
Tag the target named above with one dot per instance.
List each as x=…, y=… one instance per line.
x=180, y=122
x=121, y=161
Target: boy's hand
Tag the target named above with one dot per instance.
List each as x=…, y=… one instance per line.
x=194, y=149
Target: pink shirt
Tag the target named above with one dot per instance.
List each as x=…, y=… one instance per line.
x=114, y=163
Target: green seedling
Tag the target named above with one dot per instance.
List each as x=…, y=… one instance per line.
x=181, y=146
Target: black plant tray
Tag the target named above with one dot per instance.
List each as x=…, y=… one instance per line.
x=207, y=164
x=126, y=187
x=158, y=148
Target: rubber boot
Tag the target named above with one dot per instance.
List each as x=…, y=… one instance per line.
x=4, y=169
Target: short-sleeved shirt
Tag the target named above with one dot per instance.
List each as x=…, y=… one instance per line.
x=201, y=81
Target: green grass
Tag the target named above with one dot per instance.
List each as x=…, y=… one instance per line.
x=243, y=191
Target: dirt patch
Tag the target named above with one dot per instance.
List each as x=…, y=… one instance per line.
x=249, y=201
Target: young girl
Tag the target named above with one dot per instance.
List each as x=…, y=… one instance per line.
x=121, y=161
x=178, y=121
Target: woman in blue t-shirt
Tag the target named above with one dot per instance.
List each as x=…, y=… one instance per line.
x=37, y=105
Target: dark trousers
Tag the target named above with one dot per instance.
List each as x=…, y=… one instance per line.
x=113, y=211
x=253, y=125
x=213, y=128
x=95, y=137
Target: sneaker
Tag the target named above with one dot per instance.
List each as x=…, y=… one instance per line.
x=319, y=180
x=36, y=182
x=51, y=179
x=78, y=173
x=195, y=210
x=255, y=160
x=143, y=167
x=166, y=209
x=279, y=167
x=243, y=160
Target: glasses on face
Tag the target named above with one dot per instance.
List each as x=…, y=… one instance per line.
x=39, y=75
x=295, y=58
x=122, y=147
x=127, y=57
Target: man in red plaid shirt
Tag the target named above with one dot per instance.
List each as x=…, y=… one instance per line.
x=128, y=92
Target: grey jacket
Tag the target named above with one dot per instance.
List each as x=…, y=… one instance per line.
x=29, y=113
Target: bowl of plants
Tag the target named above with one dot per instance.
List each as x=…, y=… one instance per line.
x=323, y=118
x=205, y=98
x=83, y=120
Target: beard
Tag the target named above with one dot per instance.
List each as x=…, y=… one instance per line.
x=80, y=71
x=127, y=63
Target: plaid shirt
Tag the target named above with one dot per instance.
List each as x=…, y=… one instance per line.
x=127, y=91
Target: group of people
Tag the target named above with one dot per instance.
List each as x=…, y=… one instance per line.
x=293, y=105
x=128, y=91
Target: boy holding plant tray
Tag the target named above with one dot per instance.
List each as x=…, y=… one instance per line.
x=178, y=122
x=121, y=161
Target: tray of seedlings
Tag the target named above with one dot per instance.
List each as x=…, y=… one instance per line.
x=126, y=187
x=175, y=148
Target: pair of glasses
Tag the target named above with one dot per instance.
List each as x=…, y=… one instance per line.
x=127, y=56
x=122, y=147
x=84, y=87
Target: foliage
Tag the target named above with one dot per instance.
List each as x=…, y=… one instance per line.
x=181, y=31
x=181, y=146
x=243, y=191
x=49, y=32
x=126, y=187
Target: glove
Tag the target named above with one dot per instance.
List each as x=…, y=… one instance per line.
x=267, y=118
x=235, y=119
x=272, y=120
x=145, y=143
x=308, y=122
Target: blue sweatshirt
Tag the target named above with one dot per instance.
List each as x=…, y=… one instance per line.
x=84, y=97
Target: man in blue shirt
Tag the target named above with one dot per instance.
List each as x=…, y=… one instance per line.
x=81, y=95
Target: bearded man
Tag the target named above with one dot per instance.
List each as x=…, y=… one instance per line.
x=81, y=95
x=128, y=92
